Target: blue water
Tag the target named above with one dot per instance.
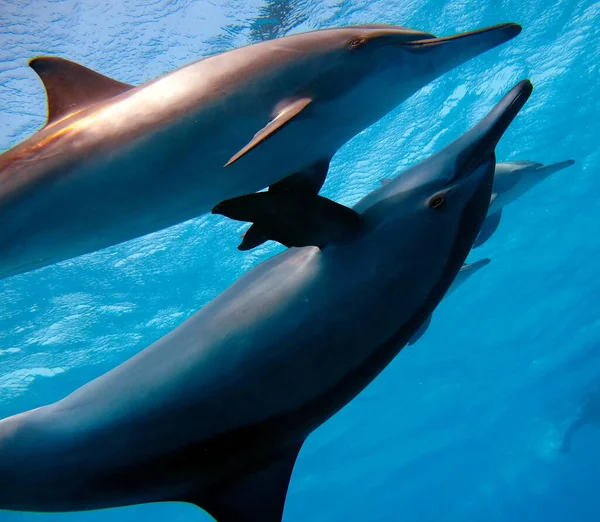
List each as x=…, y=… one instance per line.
x=465, y=425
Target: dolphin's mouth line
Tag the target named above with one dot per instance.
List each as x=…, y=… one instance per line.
x=434, y=41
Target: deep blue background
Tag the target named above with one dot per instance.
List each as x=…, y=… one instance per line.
x=464, y=425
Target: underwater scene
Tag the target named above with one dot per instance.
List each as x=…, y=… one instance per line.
x=299, y=260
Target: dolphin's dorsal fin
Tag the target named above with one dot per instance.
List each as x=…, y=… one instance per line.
x=71, y=87
x=255, y=497
x=294, y=220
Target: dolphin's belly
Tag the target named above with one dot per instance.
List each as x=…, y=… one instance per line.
x=258, y=368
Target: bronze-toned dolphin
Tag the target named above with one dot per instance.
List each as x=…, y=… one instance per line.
x=115, y=162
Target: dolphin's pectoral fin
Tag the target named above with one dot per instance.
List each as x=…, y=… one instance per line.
x=252, y=238
x=293, y=219
x=490, y=225
x=257, y=497
x=385, y=181
x=285, y=115
x=307, y=181
x=547, y=170
x=420, y=332
x=71, y=87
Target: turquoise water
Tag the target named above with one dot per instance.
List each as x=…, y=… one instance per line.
x=464, y=425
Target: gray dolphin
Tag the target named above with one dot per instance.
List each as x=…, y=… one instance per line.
x=216, y=411
x=512, y=180
x=115, y=161
x=465, y=272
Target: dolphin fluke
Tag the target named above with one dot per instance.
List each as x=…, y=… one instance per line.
x=479, y=143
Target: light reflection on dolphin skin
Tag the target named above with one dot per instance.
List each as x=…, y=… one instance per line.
x=216, y=412
x=116, y=162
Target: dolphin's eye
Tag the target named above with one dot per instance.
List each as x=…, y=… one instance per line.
x=436, y=202
x=355, y=43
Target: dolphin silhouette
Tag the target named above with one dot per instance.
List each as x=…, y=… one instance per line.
x=216, y=411
x=512, y=180
x=465, y=272
x=115, y=162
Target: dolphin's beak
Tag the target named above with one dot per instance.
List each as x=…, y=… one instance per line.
x=450, y=51
x=477, y=145
x=548, y=170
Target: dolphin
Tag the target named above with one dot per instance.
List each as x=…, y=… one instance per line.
x=512, y=180
x=115, y=162
x=215, y=412
x=465, y=272
x=589, y=414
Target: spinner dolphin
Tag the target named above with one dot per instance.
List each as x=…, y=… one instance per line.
x=115, y=162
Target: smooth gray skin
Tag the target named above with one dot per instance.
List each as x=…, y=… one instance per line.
x=154, y=156
x=216, y=411
x=512, y=180
x=465, y=272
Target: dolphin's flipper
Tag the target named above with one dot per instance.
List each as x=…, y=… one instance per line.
x=490, y=225
x=252, y=238
x=420, y=332
x=285, y=114
x=292, y=219
x=71, y=87
x=258, y=497
x=308, y=181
